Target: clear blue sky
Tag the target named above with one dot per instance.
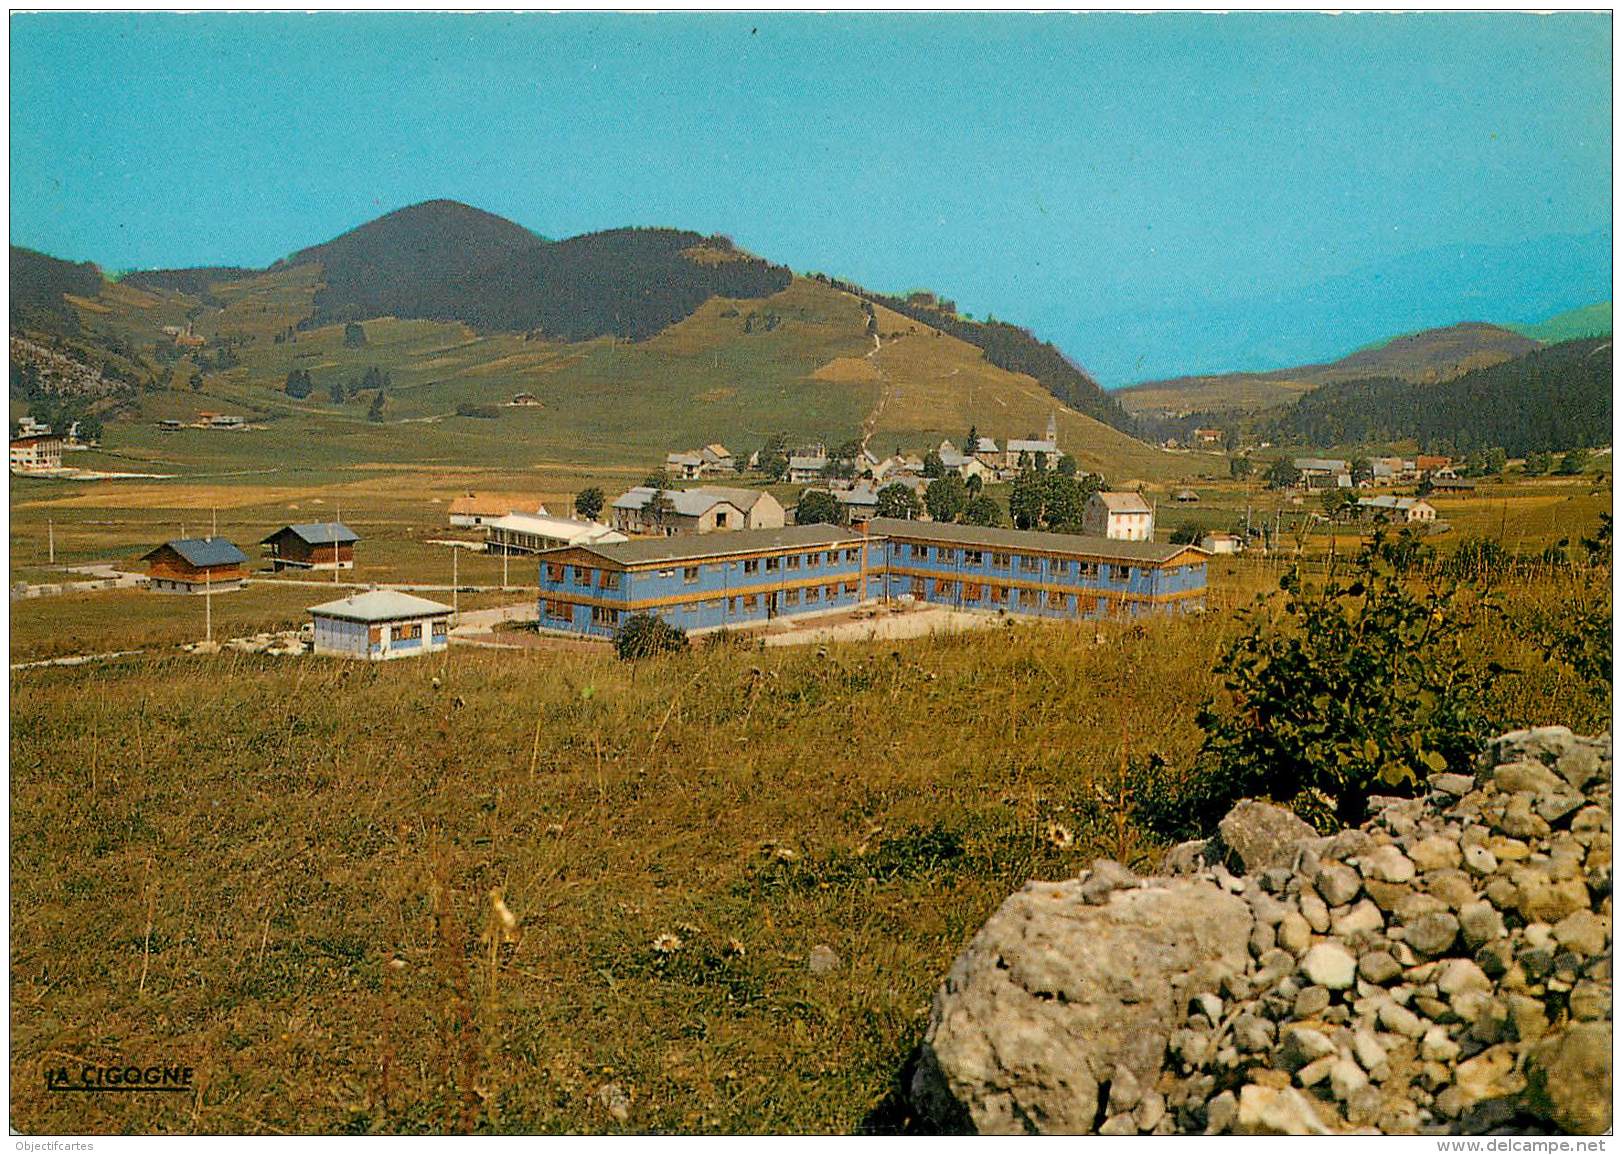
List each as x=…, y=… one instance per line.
x=1056, y=170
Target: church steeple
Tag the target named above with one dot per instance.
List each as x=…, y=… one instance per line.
x=1053, y=428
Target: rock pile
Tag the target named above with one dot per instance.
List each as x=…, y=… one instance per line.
x=1444, y=968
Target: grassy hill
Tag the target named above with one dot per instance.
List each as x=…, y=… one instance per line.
x=1588, y=321
x=1429, y=356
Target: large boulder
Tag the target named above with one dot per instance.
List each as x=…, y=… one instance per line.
x=1569, y=1079
x=1057, y=994
x=1261, y=835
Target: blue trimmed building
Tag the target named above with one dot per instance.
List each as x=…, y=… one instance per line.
x=753, y=576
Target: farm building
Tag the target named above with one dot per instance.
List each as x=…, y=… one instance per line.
x=472, y=509
x=752, y=577
x=705, y=509
x=683, y=465
x=1185, y=497
x=1452, y=484
x=1040, y=574
x=195, y=565
x=36, y=454
x=1397, y=508
x=1222, y=543
x=804, y=469
x=738, y=579
x=328, y=545
x=533, y=532
x=1119, y=516
x=380, y=625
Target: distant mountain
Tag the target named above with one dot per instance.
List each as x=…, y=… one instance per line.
x=39, y=285
x=1589, y=321
x=1309, y=324
x=1425, y=357
x=197, y=282
x=1550, y=399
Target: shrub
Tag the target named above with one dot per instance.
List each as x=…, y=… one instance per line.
x=646, y=635
x=1360, y=688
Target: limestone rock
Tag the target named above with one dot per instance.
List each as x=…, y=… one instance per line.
x=1276, y=1111
x=1262, y=836
x=1569, y=1079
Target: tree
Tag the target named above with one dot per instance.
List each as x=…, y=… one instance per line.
x=1537, y=464
x=1574, y=462
x=1067, y=466
x=354, y=335
x=588, y=503
x=946, y=497
x=1185, y=534
x=773, y=459
x=972, y=444
x=658, y=479
x=933, y=466
x=299, y=384
x=1362, y=470
x=661, y=505
x=1283, y=474
x=90, y=428
x=897, y=500
x=647, y=636
x=196, y=381
x=1496, y=460
x=375, y=412
x=1240, y=468
x=975, y=483
x=335, y=390
x=982, y=510
x=817, y=507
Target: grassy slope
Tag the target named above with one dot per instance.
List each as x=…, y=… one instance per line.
x=1589, y=321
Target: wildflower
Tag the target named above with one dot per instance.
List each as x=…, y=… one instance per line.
x=735, y=948
x=1058, y=836
x=503, y=925
x=784, y=854
x=667, y=943
x=687, y=928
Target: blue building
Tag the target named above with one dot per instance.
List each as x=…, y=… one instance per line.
x=752, y=576
x=1052, y=575
x=707, y=581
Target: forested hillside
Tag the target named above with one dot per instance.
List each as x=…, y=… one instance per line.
x=1548, y=400
x=38, y=285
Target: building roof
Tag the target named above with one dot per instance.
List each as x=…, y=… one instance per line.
x=951, y=459
x=203, y=552
x=717, y=449
x=1387, y=501
x=317, y=533
x=661, y=550
x=808, y=463
x=985, y=445
x=683, y=459
x=492, y=504
x=1027, y=540
x=687, y=502
x=379, y=606
x=1118, y=501
x=1018, y=445
x=857, y=495
x=36, y=439
x=744, y=499
x=1320, y=464
x=566, y=528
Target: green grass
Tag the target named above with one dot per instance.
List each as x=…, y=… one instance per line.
x=1588, y=321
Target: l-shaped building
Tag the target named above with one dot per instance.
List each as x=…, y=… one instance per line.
x=750, y=577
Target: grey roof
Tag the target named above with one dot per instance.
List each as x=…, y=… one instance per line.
x=986, y=445
x=687, y=502
x=696, y=547
x=1074, y=544
x=1320, y=464
x=379, y=606
x=1020, y=445
x=744, y=499
x=317, y=533
x=808, y=463
x=1123, y=502
x=204, y=551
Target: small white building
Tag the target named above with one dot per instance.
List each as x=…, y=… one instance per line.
x=1122, y=516
x=472, y=509
x=380, y=625
x=531, y=533
x=1401, y=509
x=1215, y=543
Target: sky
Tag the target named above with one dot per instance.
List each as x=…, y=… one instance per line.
x=1121, y=184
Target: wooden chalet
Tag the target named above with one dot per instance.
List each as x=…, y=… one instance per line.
x=195, y=565
x=328, y=545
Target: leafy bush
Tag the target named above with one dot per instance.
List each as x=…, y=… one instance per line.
x=646, y=635
x=1361, y=688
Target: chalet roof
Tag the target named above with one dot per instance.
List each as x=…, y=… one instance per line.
x=718, y=449
x=808, y=463
x=1387, y=501
x=683, y=459
x=492, y=504
x=687, y=502
x=202, y=552
x=744, y=499
x=1074, y=544
x=658, y=550
x=1123, y=502
x=379, y=606
x=985, y=445
x=566, y=528
x=1320, y=465
x=316, y=533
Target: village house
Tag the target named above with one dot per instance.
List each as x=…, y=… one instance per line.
x=1431, y=462
x=683, y=465
x=964, y=466
x=754, y=577
x=704, y=509
x=1323, y=473
x=227, y=421
x=717, y=458
x=1222, y=543
x=1185, y=497
x=36, y=454
x=1118, y=516
x=380, y=625
x=471, y=509
x=32, y=427
x=1400, y=509
x=524, y=400
x=804, y=469
x=324, y=545
x=533, y=532
x=195, y=565
x=1207, y=436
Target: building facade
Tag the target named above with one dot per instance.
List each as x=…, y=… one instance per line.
x=751, y=578
x=36, y=454
x=325, y=545
x=1119, y=516
x=380, y=625
x=532, y=533
x=704, y=509
x=195, y=565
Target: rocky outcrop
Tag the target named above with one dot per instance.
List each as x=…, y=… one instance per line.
x=1445, y=968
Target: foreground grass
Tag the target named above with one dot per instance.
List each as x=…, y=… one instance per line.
x=218, y=861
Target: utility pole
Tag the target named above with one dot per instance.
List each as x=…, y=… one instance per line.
x=504, y=552
x=50, y=537
x=213, y=522
x=456, y=586
x=208, y=605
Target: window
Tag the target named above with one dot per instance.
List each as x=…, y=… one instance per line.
x=771, y=565
x=1056, y=600
x=667, y=573
x=813, y=594
x=792, y=561
x=833, y=592
x=1000, y=560
x=610, y=579
x=1088, y=571
x=582, y=576
x=1118, y=574
x=1030, y=564
x=560, y=611
x=1059, y=566
x=945, y=589
x=850, y=587
x=750, y=603
x=947, y=556
x=604, y=616
x=973, y=557
x=852, y=555
x=1027, y=599
x=554, y=573
x=720, y=519
x=917, y=587
x=971, y=591
x=690, y=575
x=752, y=565
x=813, y=560
x=440, y=627
x=997, y=595
x=716, y=605
x=408, y=632
x=791, y=597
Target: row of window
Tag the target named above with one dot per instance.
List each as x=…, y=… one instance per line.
x=584, y=576
x=561, y=611
x=1027, y=563
x=992, y=594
